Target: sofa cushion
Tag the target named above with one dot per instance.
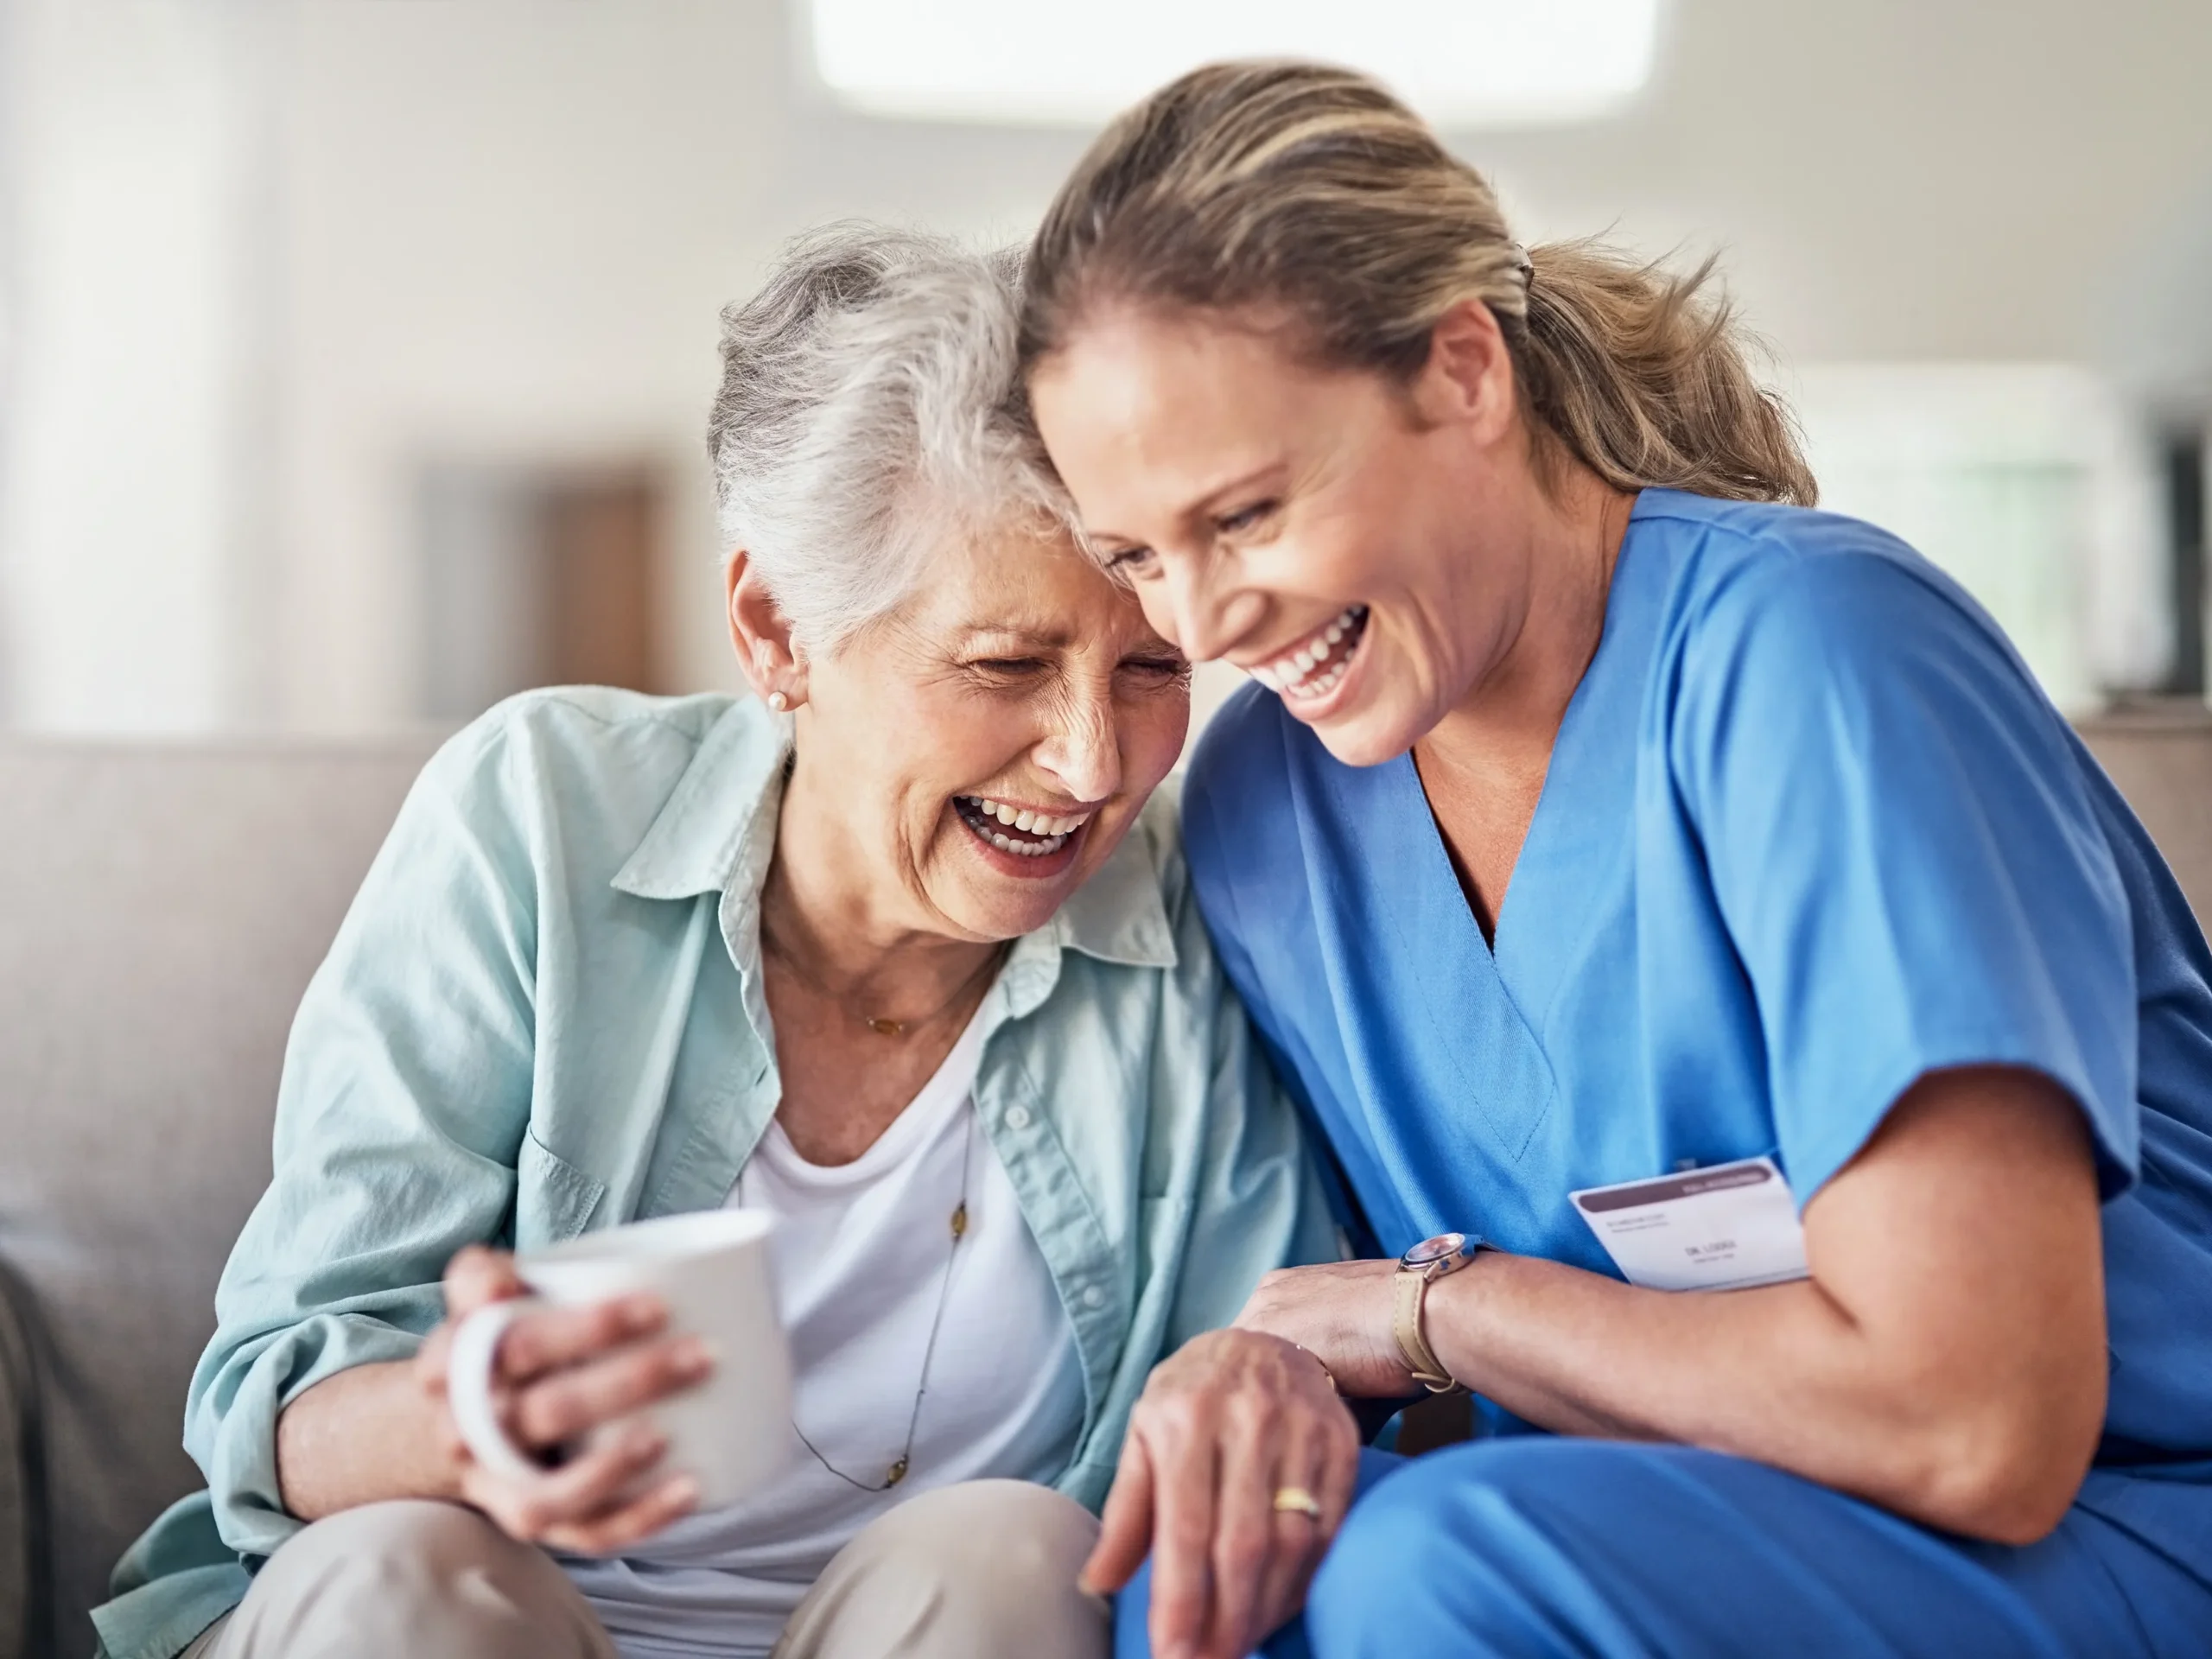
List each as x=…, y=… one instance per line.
x=164, y=908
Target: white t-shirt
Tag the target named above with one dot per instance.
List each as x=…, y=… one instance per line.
x=860, y=1255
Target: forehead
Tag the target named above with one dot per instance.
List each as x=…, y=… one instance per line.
x=1143, y=408
x=1137, y=371
x=1023, y=582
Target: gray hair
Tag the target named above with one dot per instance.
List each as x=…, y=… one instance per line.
x=868, y=411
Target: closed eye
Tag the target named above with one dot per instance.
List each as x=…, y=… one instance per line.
x=1130, y=560
x=1161, y=669
x=1244, y=518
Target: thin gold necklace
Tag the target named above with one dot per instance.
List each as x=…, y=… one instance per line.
x=881, y=1025
x=897, y=1473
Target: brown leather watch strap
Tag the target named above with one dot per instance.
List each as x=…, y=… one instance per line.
x=1410, y=1293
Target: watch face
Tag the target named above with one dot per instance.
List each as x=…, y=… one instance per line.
x=1431, y=1250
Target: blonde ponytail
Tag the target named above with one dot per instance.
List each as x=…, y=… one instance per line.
x=1309, y=191
x=1642, y=378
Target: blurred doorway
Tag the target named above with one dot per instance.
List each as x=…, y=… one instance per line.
x=537, y=577
x=2189, y=469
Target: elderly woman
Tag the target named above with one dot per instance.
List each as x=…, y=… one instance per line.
x=901, y=934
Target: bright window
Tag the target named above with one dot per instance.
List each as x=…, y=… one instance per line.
x=1461, y=62
x=2030, y=483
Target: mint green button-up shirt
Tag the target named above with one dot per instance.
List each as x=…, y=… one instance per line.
x=544, y=1016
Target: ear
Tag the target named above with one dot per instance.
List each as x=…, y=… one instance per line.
x=1468, y=379
x=760, y=634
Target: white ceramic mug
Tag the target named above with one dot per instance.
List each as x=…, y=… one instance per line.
x=730, y=1432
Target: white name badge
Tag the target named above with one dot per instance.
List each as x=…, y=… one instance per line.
x=1726, y=1227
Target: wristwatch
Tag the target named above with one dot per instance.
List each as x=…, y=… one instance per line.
x=1419, y=1268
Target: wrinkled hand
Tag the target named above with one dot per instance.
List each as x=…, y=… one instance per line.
x=561, y=1373
x=1341, y=1312
x=1222, y=1426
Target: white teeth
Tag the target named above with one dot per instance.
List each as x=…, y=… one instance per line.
x=1053, y=832
x=1317, y=686
x=1029, y=848
x=1301, y=674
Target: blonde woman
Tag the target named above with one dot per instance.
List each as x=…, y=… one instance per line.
x=900, y=949
x=1603, y=816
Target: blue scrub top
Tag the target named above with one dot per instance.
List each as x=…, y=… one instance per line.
x=1810, y=830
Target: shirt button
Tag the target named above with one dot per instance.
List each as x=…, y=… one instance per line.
x=1094, y=1297
x=1017, y=1117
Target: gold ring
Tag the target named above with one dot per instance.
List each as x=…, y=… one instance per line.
x=1296, y=1500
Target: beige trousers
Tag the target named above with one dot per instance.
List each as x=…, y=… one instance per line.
x=984, y=1570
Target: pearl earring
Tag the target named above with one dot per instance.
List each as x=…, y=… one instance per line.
x=778, y=702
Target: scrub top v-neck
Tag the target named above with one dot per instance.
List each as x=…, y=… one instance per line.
x=1808, y=832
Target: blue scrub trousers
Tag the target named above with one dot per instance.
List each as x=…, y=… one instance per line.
x=1539, y=1545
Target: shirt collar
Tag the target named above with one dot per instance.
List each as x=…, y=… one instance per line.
x=716, y=834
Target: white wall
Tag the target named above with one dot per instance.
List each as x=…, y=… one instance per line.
x=1906, y=178
x=504, y=227
x=512, y=227
x=127, y=503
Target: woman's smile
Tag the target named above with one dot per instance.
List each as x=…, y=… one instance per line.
x=1313, y=668
x=1023, y=841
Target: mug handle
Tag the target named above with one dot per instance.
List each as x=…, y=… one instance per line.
x=468, y=1388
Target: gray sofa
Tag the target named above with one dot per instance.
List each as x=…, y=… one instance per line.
x=161, y=909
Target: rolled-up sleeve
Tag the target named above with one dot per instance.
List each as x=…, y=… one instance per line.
x=405, y=1095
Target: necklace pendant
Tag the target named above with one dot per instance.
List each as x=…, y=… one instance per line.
x=887, y=1028
x=897, y=1473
